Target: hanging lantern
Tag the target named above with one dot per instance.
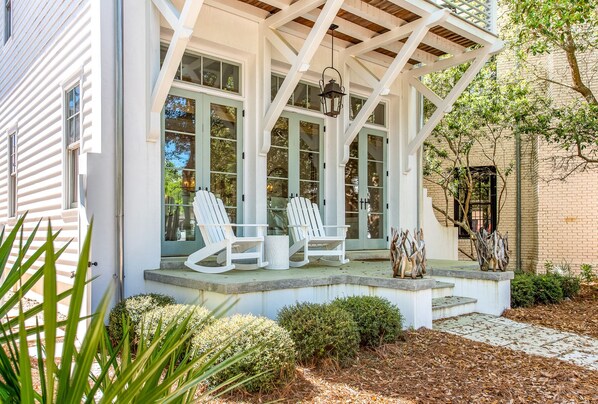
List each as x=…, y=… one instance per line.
x=331, y=93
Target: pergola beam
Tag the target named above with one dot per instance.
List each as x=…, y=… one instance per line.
x=447, y=103
x=381, y=40
x=183, y=29
x=426, y=91
x=281, y=45
x=419, y=30
x=301, y=65
x=362, y=71
x=293, y=11
x=168, y=11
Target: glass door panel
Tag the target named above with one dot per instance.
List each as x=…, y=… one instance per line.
x=365, y=206
x=179, y=172
x=294, y=166
x=201, y=150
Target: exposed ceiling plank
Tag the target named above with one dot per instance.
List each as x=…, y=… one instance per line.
x=293, y=11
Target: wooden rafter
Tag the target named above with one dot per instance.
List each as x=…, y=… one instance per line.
x=382, y=87
x=183, y=29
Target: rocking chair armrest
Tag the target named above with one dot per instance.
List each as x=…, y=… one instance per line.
x=213, y=225
x=297, y=225
x=344, y=226
x=248, y=225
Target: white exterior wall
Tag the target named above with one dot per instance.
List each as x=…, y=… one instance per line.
x=229, y=36
x=52, y=48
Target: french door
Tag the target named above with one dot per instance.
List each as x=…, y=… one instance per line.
x=201, y=149
x=294, y=166
x=365, y=191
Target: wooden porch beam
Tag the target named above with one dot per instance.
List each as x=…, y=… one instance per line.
x=183, y=30
x=168, y=11
x=293, y=11
x=426, y=91
x=381, y=40
x=447, y=104
x=383, y=86
x=301, y=65
x=362, y=71
x=281, y=45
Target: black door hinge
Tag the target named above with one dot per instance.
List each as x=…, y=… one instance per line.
x=386, y=138
x=324, y=202
x=243, y=113
x=387, y=238
x=243, y=155
x=386, y=206
x=243, y=198
x=324, y=166
x=387, y=173
x=324, y=128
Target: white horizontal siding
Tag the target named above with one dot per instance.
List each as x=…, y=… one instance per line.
x=51, y=44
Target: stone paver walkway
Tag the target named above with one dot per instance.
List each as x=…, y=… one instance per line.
x=528, y=338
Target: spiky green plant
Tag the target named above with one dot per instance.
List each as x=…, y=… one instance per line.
x=93, y=370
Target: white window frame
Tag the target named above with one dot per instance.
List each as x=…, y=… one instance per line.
x=7, y=6
x=70, y=178
x=12, y=160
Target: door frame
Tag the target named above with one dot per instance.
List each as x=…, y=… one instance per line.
x=363, y=243
x=202, y=163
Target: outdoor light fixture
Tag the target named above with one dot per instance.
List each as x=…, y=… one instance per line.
x=332, y=92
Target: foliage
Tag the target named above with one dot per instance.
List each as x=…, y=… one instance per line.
x=199, y=317
x=570, y=27
x=321, y=331
x=378, y=320
x=587, y=273
x=131, y=310
x=570, y=285
x=485, y=118
x=271, y=358
x=90, y=369
x=523, y=292
x=547, y=289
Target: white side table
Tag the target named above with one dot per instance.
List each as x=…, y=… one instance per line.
x=277, y=252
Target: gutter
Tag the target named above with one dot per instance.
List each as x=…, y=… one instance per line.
x=119, y=148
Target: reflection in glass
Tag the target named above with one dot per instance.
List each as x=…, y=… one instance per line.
x=211, y=73
x=179, y=114
x=223, y=156
x=190, y=69
x=310, y=190
x=300, y=95
x=277, y=177
x=230, y=77
x=352, y=220
x=374, y=226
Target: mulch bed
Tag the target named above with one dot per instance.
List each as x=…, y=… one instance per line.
x=578, y=315
x=434, y=367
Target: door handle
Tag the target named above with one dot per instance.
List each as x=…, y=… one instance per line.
x=361, y=203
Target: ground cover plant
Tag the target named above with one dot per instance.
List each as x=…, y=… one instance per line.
x=321, y=332
x=91, y=370
x=378, y=320
x=270, y=361
x=131, y=310
x=551, y=288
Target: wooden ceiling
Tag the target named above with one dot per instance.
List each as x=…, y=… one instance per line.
x=375, y=29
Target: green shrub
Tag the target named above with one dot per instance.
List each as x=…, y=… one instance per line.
x=321, y=331
x=547, y=289
x=587, y=273
x=570, y=285
x=200, y=318
x=523, y=291
x=378, y=320
x=273, y=350
x=132, y=310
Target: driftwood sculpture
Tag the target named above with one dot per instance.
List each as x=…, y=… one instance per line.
x=492, y=250
x=408, y=254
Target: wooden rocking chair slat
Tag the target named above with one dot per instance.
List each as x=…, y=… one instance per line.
x=220, y=240
x=308, y=234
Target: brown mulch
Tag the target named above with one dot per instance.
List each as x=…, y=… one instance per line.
x=434, y=367
x=578, y=315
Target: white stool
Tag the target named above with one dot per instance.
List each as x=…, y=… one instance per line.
x=277, y=252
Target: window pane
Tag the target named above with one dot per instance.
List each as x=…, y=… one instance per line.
x=351, y=199
x=230, y=77
x=223, y=121
x=224, y=186
x=211, y=73
x=179, y=223
x=310, y=190
x=375, y=148
x=352, y=220
x=273, y=87
x=278, y=163
x=309, y=136
x=379, y=115
x=314, y=99
x=280, y=133
x=375, y=222
x=300, y=95
x=190, y=69
x=179, y=114
x=179, y=151
x=309, y=166
x=352, y=173
x=223, y=155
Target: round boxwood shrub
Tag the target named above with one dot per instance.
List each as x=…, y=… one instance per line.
x=270, y=350
x=321, y=331
x=132, y=310
x=378, y=320
x=547, y=289
x=199, y=318
x=570, y=285
x=523, y=291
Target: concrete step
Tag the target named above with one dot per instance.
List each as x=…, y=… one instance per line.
x=451, y=306
x=442, y=289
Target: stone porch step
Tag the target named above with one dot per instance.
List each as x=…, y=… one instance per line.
x=451, y=306
x=442, y=289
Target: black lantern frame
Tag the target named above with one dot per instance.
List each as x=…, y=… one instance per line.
x=332, y=93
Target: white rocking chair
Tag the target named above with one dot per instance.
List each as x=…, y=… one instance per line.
x=219, y=238
x=308, y=233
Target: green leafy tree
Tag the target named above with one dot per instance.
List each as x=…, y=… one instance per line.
x=482, y=123
x=552, y=27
